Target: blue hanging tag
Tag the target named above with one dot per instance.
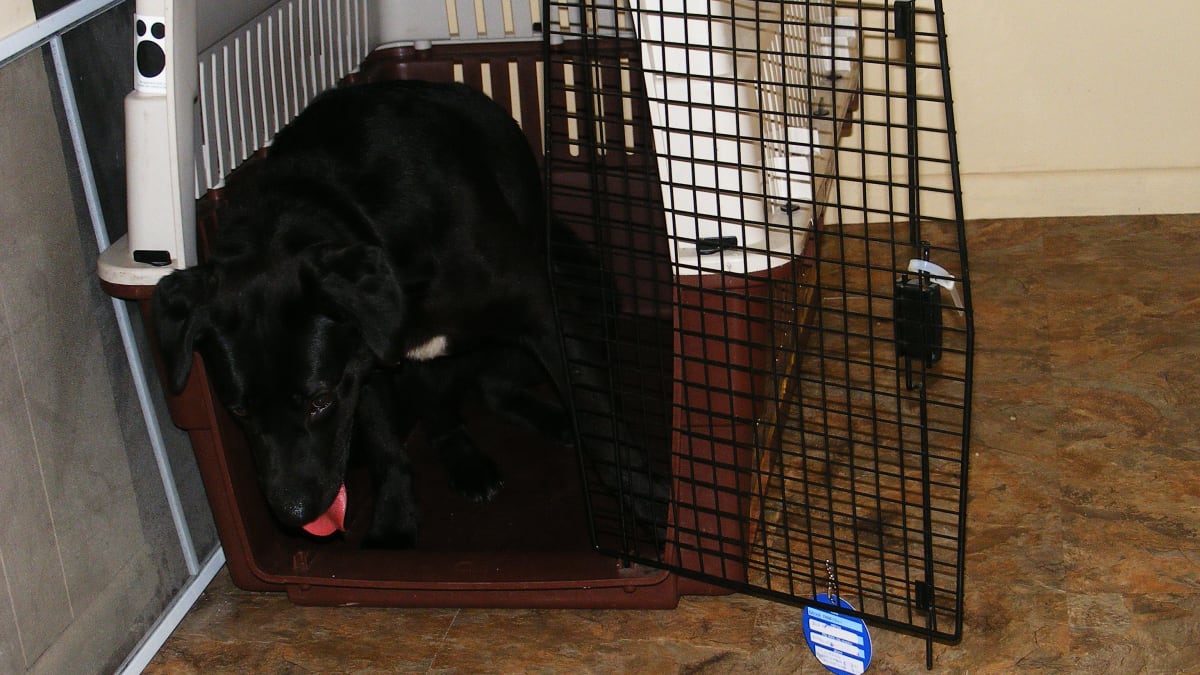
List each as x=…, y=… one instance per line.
x=840, y=642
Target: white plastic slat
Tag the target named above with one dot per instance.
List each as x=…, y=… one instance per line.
x=249, y=90
x=285, y=82
x=314, y=42
x=491, y=17
x=274, y=74
x=245, y=96
x=333, y=55
x=207, y=154
x=260, y=58
x=358, y=21
x=228, y=111
x=289, y=83
x=325, y=44
x=298, y=56
x=514, y=88
x=506, y=11
x=329, y=54
x=337, y=24
x=214, y=128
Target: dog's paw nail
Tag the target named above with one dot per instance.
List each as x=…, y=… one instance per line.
x=493, y=491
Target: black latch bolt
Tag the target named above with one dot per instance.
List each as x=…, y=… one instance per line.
x=917, y=307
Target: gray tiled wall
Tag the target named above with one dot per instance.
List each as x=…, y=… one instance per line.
x=88, y=553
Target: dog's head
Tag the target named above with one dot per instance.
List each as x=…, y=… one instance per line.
x=287, y=342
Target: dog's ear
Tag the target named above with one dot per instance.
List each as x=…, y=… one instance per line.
x=360, y=283
x=180, y=314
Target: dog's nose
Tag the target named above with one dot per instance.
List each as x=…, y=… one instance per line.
x=295, y=511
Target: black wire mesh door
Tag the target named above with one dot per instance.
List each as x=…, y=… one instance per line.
x=767, y=314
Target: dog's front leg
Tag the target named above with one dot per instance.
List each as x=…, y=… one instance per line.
x=380, y=435
x=472, y=473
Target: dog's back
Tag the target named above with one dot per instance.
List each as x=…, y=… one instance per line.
x=408, y=165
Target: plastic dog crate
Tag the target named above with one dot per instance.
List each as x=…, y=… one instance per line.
x=773, y=367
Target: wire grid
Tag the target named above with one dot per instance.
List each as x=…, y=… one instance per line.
x=756, y=177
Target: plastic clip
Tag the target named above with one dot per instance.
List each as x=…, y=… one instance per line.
x=939, y=275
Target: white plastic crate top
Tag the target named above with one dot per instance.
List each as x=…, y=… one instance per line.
x=732, y=167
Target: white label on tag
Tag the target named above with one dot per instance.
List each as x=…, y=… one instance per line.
x=841, y=643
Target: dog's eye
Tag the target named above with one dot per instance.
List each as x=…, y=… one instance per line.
x=320, y=404
x=237, y=410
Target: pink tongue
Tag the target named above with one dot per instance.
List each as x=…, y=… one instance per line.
x=333, y=520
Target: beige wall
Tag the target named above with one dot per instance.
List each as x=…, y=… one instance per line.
x=15, y=15
x=1077, y=107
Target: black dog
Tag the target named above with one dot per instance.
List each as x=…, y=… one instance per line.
x=387, y=259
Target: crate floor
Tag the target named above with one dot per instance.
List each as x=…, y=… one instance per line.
x=1084, y=535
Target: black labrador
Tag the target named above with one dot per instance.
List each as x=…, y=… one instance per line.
x=387, y=259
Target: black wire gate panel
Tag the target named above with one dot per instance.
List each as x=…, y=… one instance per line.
x=767, y=312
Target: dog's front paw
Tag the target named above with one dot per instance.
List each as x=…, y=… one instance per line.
x=394, y=523
x=472, y=474
x=477, y=479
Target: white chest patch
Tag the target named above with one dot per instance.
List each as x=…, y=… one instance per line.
x=429, y=350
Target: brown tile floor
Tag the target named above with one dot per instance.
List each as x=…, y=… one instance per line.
x=1084, y=519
